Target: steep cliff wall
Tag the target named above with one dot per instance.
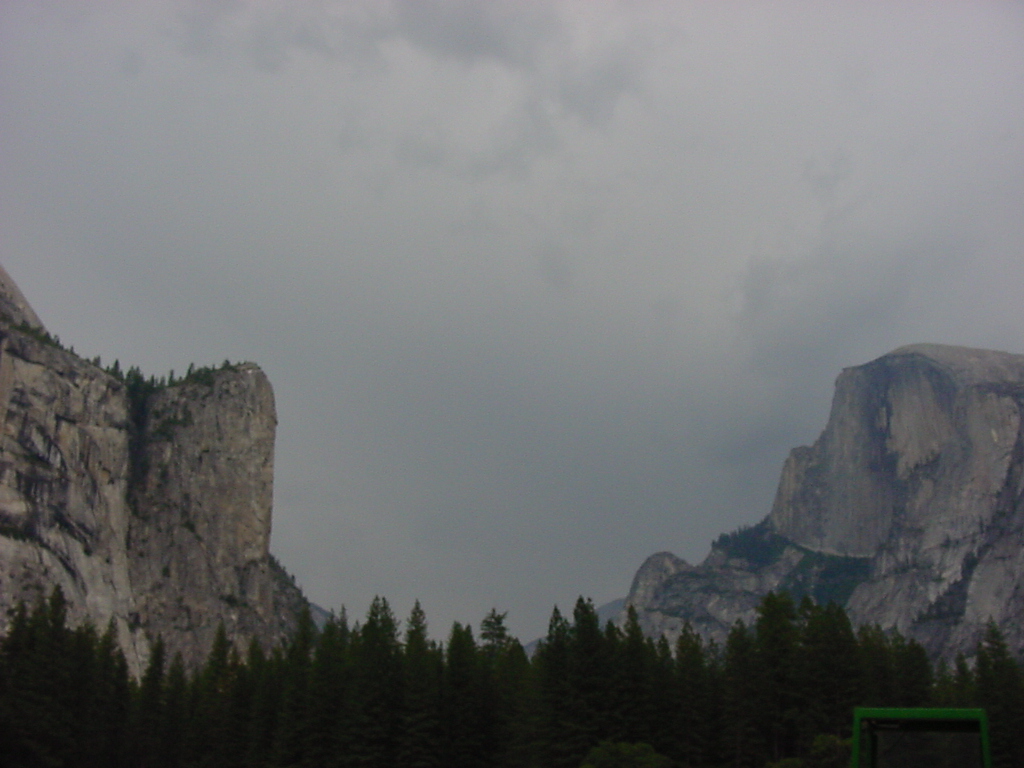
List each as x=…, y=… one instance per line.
x=199, y=536
x=909, y=510
x=63, y=484
x=150, y=508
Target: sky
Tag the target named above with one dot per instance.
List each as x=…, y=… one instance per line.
x=543, y=287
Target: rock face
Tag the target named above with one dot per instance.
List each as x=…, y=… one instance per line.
x=908, y=510
x=149, y=506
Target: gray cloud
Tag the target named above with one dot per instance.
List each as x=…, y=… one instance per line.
x=542, y=288
x=513, y=34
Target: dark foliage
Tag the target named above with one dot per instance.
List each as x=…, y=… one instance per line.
x=780, y=692
x=758, y=544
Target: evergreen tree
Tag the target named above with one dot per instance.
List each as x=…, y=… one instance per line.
x=378, y=682
x=1000, y=690
x=147, y=712
x=106, y=712
x=511, y=678
x=714, y=722
x=829, y=673
x=291, y=737
x=239, y=703
x=588, y=677
x=551, y=662
x=39, y=725
x=964, y=691
x=208, y=730
x=329, y=712
x=693, y=707
x=664, y=699
x=634, y=666
x=468, y=712
x=64, y=694
x=776, y=651
x=172, y=727
x=912, y=672
x=877, y=668
x=423, y=667
x=744, y=740
x=265, y=674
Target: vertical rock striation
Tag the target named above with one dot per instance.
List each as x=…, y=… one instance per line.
x=908, y=509
x=150, y=508
x=63, y=482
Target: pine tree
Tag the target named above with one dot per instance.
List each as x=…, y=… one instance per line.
x=829, y=673
x=423, y=667
x=877, y=667
x=147, y=712
x=329, y=711
x=912, y=672
x=634, y=667
x=106, y=713
x=664, y=700
x=551, y=663
x=964, y=691
x=694, y=701
x=1001, y=692
x=266, y=676
x=510, y=676
x=776, y=650
x=744, y=745
x=208, y=730
x=378, y=712
x=40, y=725
x=468, y=712
x=588, y=676
x=291, y=737
x=172, y=727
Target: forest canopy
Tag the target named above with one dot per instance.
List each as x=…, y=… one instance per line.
x=379, y=693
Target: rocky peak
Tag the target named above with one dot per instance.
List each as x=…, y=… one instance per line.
x=148, y=504
x=13, y=305
x=908, y=509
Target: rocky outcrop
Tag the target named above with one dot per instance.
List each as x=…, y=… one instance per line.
x=14, y=308
x=201, y=493
x=148, y=505
x=908, y=510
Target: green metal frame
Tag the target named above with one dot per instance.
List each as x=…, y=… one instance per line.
x=941, y=720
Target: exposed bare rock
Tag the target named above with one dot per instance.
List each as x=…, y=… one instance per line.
x=14, y=308
x=909, y=510
x=63, y=482
x=149, y=507
x=202, y=496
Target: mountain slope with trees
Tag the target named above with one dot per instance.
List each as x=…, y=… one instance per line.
x=908, y=510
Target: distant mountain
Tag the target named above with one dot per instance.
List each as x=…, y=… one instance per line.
x=148, y=503
x=908, y=511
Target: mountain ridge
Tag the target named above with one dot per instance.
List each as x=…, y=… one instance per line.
x=908, y=510
x=148, y=504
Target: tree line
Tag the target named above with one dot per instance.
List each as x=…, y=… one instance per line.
x=378, y=692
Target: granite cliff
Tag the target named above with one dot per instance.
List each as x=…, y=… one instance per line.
x=148, y=505
x=908, y=510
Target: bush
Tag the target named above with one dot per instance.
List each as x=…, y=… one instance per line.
x=609, y=754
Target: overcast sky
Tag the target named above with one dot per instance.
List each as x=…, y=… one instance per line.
x=542, y=287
